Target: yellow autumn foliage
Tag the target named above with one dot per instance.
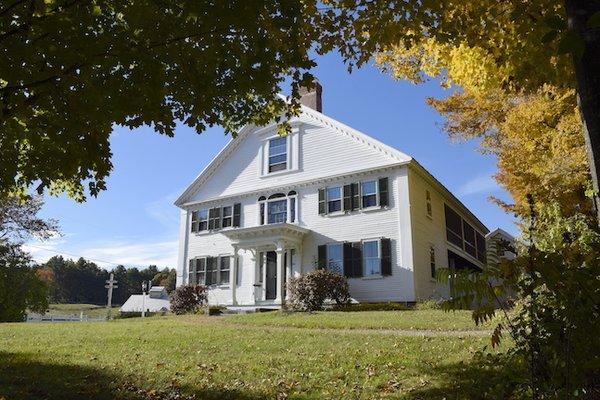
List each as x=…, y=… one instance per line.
x=535, y=133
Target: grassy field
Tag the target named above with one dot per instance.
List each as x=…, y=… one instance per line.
x=90, y=310
x=422, y=319
x=217, y=358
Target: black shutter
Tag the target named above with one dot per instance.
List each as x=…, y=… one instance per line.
x=386, y=257
x=195, y=221
x=322, y=257
x=322, y=202
x=355, y=196
x=211, y=218
x=237, y=211
x=357, y=268
x=348, y=259
x=347, y=197
x=217, y=218
x=383, y=192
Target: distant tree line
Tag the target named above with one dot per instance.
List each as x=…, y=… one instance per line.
x=83, y=281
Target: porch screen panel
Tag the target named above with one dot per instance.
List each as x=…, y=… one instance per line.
x=453, y=227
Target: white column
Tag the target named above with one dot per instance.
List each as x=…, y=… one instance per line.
x=233, y=278
x=279, y=299
x=299, y=260
x=288, y=275
x=182, y=260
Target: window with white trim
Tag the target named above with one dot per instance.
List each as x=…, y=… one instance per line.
x=277, y=211
x=334, y=199
x=335, y=258
x=224, y=269
x=227, y=216
x=278, y=208
x=371, y=258
x=368, y=191
x=278, y=154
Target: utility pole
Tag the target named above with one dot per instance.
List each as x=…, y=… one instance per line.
x=110, y=286
x=144, y=288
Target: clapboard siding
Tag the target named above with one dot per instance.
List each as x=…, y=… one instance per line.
x=351, y=227
x=322, y=152
x=357, y=226
x=428, y=232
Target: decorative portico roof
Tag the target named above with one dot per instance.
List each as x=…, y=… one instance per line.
x=282, y=235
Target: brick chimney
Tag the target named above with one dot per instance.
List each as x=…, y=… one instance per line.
x=312, y=97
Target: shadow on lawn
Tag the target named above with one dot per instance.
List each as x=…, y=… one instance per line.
x=485, y=376
x=22, y=377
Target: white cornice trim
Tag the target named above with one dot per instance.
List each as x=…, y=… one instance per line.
x=447, y=194
x=321, y=118
x=291, y=185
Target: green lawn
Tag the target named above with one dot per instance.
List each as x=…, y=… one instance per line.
x=90, y=310
x=411, y=319
x=216, y=358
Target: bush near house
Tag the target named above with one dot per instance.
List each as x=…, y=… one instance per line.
x=188, y=299
x=309, y=291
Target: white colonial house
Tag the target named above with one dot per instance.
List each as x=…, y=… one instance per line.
x=271, y=207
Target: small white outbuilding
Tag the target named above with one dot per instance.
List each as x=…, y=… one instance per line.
x=157, y=300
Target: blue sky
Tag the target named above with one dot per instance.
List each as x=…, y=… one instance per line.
x=135, y=223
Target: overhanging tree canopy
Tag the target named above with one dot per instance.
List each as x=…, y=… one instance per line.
x=71, y=69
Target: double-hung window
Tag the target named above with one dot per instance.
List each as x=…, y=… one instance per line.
x=369, y=193
x=203, y=220
x=334, y=199
x=371, y=258
x=224, y=268
x=200, y=271
x=227, y=216
x=278, y=154
x=277, y=211
x=199, y=220
x=335, y=258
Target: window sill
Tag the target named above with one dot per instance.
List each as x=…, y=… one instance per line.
x=277, y=173
x=429, y=217
x=357, y=211
x=372, y=208
x=372, y=277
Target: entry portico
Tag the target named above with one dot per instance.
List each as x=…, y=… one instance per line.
x=277, y=251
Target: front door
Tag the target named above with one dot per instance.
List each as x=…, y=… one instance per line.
x=271, y=281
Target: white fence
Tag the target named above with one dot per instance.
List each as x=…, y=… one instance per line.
x=62, y=318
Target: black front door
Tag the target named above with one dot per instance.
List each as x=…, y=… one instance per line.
x=271, y=283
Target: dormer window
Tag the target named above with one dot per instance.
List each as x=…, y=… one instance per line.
x=278, y=154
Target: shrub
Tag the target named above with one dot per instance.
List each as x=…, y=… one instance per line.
x=371, y=307
x=309, y=291
x=188, y=299
x=429, y=305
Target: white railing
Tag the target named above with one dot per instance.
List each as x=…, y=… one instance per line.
x=62, y=318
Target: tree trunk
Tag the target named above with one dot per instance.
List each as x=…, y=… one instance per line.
x=587, y=73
